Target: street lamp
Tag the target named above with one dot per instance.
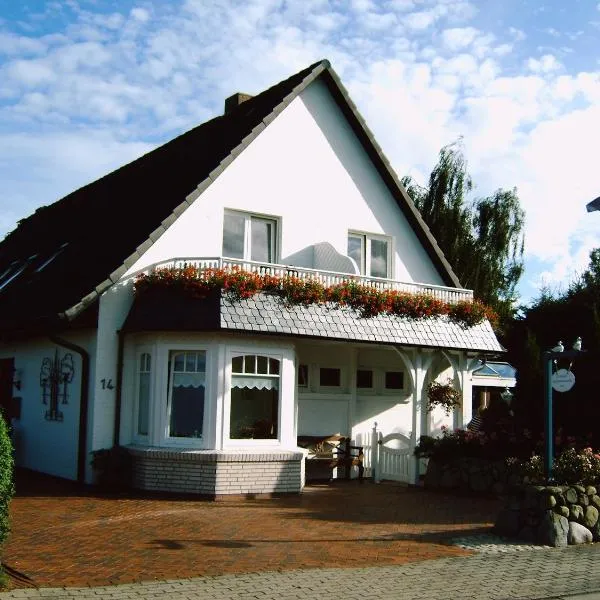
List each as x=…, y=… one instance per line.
x=550, y=357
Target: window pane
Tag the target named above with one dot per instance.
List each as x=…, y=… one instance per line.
x=254, y=413
x=233, y=235
x=364, y=379
x=394, y=380
x=273, y=366
x=262, y=365
x=186, y=410
x=355, y=250
x=143, y=403
x=237, y=364
x=379, y=258
x=179, y=362
x=262, y=242
x=250, y=364
x=303, y=375
x=190, y=362
x=330, y=377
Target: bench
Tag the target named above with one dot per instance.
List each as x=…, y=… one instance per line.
x=326, y=452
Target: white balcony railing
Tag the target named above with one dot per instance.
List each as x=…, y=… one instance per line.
x=327, y=278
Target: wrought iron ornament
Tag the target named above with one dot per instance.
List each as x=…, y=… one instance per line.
x=55, y=375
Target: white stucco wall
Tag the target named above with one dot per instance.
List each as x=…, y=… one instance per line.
x=307, y=169
x=40, y=444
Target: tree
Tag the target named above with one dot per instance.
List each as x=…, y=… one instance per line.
x=482, y=238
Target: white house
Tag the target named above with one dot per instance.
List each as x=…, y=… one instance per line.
x=211, y=394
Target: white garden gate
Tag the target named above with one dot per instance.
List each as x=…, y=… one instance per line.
x=387, y=457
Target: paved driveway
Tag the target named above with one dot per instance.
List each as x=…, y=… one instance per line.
x=66, y=535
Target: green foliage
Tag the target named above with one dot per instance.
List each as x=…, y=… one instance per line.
x=577, y=467
x=482, y=239
x=444, y=395
x=6, y=479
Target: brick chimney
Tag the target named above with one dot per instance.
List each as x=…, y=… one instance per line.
x=235, y=100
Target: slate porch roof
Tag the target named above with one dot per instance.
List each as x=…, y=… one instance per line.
x=100, y=230
x=267, y=314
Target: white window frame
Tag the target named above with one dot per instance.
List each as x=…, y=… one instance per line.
x=365, y=266
x=250, y=442
x=392, y=391
x=248, y=217
x=366, y=390
x=331, y=389
x=200, y=441
x=138, y=437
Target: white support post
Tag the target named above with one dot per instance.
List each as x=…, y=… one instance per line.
x=375, y=453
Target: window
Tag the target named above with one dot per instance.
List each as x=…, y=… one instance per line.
x=249, y=237
x=254, y=412
x=364, y=379
x=143, y=413
x=329, y=377
x=187, y=373
x=303, y=376
x=394, y=380
x=371, y=253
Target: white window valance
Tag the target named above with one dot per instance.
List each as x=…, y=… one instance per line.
x=259, y=383
x=188, y=380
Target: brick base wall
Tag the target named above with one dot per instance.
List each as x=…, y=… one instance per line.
x=212, y=473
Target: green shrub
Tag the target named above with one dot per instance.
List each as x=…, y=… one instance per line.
x=6, y=479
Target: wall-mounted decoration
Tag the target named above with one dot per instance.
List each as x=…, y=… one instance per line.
x=55, y=376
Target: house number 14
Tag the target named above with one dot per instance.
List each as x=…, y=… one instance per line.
x=107, y=384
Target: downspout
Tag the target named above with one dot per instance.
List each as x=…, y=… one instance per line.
x=118, y=389
x=84, y=402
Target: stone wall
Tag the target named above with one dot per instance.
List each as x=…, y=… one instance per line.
x=214, y=474
x=469, y=475
x=551, y=515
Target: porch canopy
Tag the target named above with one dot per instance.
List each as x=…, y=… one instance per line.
x=267, y=314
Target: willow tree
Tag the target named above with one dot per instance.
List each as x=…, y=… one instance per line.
x=482, y=238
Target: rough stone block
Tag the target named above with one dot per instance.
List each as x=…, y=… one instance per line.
x=553, y=530
x=578, y=534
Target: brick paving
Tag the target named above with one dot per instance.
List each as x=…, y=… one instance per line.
x=64, y=535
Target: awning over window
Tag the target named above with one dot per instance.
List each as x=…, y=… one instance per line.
x=258, y=383
x=188, y=380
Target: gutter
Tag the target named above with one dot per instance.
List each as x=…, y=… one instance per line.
x=118, y=389
x=84, y=402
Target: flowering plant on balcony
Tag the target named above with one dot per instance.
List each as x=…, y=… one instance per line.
x=367, y=300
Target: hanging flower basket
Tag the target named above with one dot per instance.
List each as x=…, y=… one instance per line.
x=444, y=395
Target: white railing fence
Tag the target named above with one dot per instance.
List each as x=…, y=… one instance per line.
x=382, y=461
x=327, y=278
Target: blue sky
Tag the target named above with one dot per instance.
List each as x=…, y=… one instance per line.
x=87, y=85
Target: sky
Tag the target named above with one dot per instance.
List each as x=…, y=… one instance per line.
x=89, y=85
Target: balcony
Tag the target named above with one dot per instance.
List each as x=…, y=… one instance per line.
x=327, y=278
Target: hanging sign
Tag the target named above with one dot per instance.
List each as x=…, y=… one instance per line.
x=563, y=380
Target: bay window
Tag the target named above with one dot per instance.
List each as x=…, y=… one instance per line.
x=143, y=396
x=185, y=404
x=372, y=254
x=249, y=237
x=255, y=388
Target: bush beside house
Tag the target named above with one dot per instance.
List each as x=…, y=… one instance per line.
x=566, y=512
x=6, y=484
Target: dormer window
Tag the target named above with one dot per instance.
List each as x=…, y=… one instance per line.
x=372, y=254
x=249, y=237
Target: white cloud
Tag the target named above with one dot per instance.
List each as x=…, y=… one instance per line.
x=458, y=38
x=140, y=14
x=545, y=64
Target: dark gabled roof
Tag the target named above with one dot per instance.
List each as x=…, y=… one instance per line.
x=96, y=233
